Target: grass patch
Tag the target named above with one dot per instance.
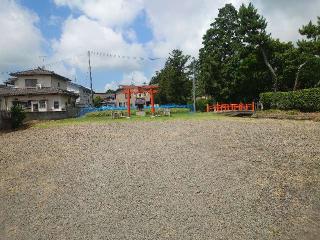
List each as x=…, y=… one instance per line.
x=107, y=119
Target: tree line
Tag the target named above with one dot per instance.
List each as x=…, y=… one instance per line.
x=239, y=60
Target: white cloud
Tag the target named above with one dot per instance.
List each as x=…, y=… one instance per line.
x=181, y=25
x=21, y=40
x=54, y=20
x=135, y=77
x=131, y=35
x=177, y=24
x=82, y=34
x=109, y=12
x=286, y=17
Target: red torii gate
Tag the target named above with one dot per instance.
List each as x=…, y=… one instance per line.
x=129, y=89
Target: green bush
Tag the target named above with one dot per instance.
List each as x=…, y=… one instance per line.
x=201, y=104
x=17, y=116
x=179, y=110
x=306, y=100
x=108, y=113
x=97, y=101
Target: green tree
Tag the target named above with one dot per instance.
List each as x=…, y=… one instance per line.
x=254, y=36
x=220, y=54
x=17, y=116
x=309, y=48
x=97, y=101
x=110, y=91
x=174, y=79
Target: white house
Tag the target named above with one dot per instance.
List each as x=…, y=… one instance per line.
x=85, y=98
x=37, y=90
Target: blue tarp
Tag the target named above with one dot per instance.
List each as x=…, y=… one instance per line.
x=84, y=111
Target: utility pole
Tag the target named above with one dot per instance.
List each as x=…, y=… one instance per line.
x=90, y=77
x=194, y=86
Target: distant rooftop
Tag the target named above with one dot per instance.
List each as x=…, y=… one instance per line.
x=79, y=86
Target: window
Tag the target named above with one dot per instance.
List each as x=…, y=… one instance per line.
x=29, y=104
x=31, y=82
x=42, y=104
x=56, y=104
x=58, y=84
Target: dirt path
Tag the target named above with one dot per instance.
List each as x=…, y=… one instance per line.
x=223, y=179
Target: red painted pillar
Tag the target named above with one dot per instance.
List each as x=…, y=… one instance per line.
x=152, y=102
x=128, y=102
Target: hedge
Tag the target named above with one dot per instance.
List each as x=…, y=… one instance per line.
x=107, y=113
x=201, y=104
x=306, y=100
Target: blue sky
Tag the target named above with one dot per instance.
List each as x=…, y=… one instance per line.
x=64, y=30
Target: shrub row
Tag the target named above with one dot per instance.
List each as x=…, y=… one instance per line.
x=306, y=100
x=201, y=104
x=108, y=113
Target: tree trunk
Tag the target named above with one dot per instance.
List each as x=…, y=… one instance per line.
x=273, y=72
x=296, y=82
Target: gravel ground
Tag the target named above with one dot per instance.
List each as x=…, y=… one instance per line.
x=222, y=179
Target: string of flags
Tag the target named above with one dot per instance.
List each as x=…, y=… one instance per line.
x=112, y=55
x=94, y=53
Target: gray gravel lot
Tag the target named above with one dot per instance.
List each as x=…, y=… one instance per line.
x=222, y=179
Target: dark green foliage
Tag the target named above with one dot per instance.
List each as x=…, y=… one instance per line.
x=306, y=100
x=17, y=116
x=240, y=59
x=174, y=80
x=97, y=101
x=108, y=113
x=110, y=91
x=201, y=104
x=219, y=56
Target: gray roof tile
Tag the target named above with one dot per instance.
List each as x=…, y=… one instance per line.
x=34, y=91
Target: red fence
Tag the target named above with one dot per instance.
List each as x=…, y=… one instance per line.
x=231, y=107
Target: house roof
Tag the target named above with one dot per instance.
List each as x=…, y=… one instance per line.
x=38, y=71
x=5, y=92
x=79, y=86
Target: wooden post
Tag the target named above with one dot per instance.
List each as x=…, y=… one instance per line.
x=128, y=102
x=152, y=102
x=208, y=108
x=253, y=107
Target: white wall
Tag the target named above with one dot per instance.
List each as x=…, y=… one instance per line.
x=58, y=83
x=84, y=98
x=44, y=80
x=63, y=101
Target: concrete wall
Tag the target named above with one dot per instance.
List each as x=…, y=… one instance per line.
x=5, y=122
x=70, y=113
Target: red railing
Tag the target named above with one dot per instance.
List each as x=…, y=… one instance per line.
x=231, y=107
